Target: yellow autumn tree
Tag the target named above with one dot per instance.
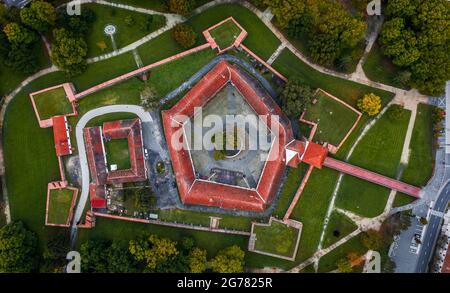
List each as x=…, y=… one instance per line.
x=370, y=104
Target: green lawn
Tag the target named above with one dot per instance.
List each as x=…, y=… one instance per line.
x=259, y=39
x=333, y=118
x=52, y=103
x=338, y=227
x=402, y=199
x=117, y=153
x=348, y=91
x=277, y=238
x=378, y=67
x=59, y=205
x=379, y=151
x=312, y=208
x=225, y=34
x=291, y=184
x=99, y=43
x=421, y=156
x=328, y=262
x=202, y=218
x=157, y=5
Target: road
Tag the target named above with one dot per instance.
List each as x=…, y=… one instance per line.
x=85, y=178
x=433, y=229
x=17, y=3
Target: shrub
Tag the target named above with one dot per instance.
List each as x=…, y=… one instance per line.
x=184, y=35
x=370, y=104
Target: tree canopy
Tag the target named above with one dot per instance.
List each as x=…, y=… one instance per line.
x=183, y=7
x=18, y=249
x=370, y=104
x=295, y=97
x=69, y=52
x=416, y=36
x=40, y=15
x=229, y=260
x=184, y=35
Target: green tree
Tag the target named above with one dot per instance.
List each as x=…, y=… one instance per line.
x=183, y=7
x=372, y=240
x=3, y=14
x=286, y=10
x=21, y=59
x=40, y=15
x=19, y=35
x=370, y=104
x=94, y=256
x=153, y=251
x=344, y=265
x=18, y=249
x=295, y=97
x=197, y=260
x=54, y=255
x=119, y=258
x=395, y=112
x=184, y=35
x=69, y=52
x=229, y=260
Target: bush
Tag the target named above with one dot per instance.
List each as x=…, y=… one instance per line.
x=184, y=35
x=395, y=112
x=183, y=7
x=129, y=20
x=370, y=104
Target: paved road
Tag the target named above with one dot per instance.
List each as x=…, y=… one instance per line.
x=433, y=229
x=139, y=111
x=17, y=3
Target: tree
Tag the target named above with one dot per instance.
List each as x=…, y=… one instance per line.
x=184, y=35
x=295, y=97
x=21, y=59
x=18, y=249
x=54, y=256
x=149, y=98
x=416, y=36
x=197, y=260
x=370, y=104
x=183, y=7
x=372, y=240
x=40, y=15
x=229, y=260
x=403, y=78
x=3, y=14
x=344, y=265
x=329, y=30
x=286, y=10
x=153, y=251
x=69, y=52
x=94, y=256
x=19, y=35
x=395, y=112
x=119, y=258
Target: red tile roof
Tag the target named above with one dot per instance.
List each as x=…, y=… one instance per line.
x=97, y=196
x=314, y=154
x=61, y=136
x=200, y=192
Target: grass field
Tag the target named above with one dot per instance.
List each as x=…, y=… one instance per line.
x=292, y=183
x=117, y=153
x=277, y=238
x=379, y=68
x=328, y=262
x=59, y=205
x=333, y=118
x=292, y=67
x=202, y=218
x=402, y=199
x=126, y=33
x=225, y=34
x=379, y=151
x=52, y=103
x=338, y=227
x=421, y=156
x=312, y=208
x=259, y=39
